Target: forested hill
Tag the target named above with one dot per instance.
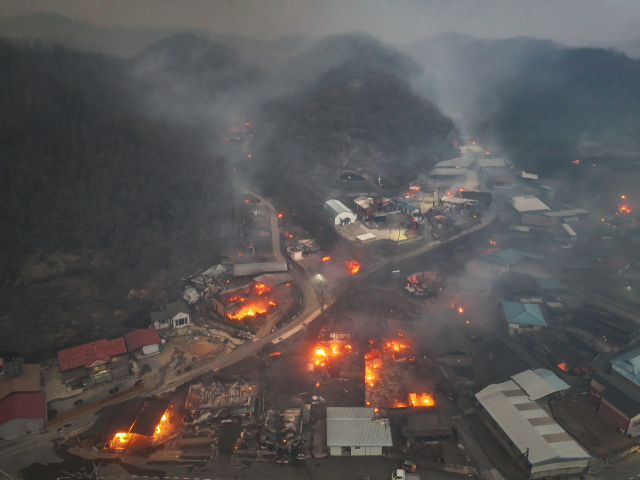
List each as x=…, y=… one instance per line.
x=536, y=99
x=357, y=114
x=92, y=187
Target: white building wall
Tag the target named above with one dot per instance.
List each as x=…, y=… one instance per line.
x=20, y=426
x=335, y=451
x=150, y=349
x=179, y=316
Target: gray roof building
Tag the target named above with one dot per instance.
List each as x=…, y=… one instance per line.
x=357, y=428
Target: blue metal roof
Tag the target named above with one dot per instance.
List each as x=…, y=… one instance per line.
x=509, y=256
x=523, y=313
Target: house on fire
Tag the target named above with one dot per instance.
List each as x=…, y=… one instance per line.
x=92, y=363
x=23, y=407
x=171, y=315
x=357, y=431
x=135, y=419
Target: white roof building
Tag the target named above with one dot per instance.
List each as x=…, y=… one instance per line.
x=246, y=269
x=447, y=172
x=491, y=162
x=528, y=203
x=339, y=212
x=356, y=430
x=460, y=162
x=546, y=448
x=539, y=383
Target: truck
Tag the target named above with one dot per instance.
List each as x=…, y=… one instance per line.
x=401, y=474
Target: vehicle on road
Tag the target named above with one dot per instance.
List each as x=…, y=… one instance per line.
x=401, y=474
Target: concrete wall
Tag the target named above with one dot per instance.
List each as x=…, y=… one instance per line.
x=20, y=426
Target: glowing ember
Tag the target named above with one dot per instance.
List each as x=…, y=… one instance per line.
x=622, y=196
x=317, y=384
x=577, y=162
x=460, y=309
x=279, y=215
x=624, y=209
x=562, y=366
x=261, y=288
x=353, y=266
x=274, y=354
x=326, y=259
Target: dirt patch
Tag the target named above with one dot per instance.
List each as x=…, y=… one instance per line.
x=201, y=347
x=578, y=417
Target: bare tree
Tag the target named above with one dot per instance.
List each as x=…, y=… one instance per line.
x=320, y=288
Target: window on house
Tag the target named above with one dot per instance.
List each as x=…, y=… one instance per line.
x=181, y=321
x=636, y=423
x=357, y=448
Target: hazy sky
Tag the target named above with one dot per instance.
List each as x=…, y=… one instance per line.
x=572, y=22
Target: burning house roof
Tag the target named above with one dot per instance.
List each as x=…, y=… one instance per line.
x=273, y=279
x=138, y=415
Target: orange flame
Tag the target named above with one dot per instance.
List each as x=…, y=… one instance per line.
x=624, y=209
x=326, y=259
x=460, y=309
x=421, y=400
x=353, y=266
x=577, y=162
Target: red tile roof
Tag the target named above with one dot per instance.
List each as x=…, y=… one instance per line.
x=87, y=354
x=23, y=405
x=141, y=338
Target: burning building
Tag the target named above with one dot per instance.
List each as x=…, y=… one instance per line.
x=248, y=301
x=384, y=379
x=136, y=421
x=424, y=284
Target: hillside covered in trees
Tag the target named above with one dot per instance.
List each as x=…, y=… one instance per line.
x=538, y=100
x=358, y=114
x=97, y=196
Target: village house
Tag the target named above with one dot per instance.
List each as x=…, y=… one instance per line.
x=93, y=363
x=627, y=367
x=368, y=208
x=523, y=317
x=171, y=315
x=23, y=407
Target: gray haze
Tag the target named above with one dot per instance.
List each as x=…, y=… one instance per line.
x=571, y=22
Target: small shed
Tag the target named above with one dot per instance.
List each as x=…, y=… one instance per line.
x=357, y=431
x=366, y=238
x=144, y=341
x=339, y=212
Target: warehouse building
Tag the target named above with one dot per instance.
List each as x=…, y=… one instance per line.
x=531, y=437
x=357, y=431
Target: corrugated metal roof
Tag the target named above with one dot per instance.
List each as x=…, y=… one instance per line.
x=246, y=269
x=336, y=207
x=510, y=408
x=569, y=230
x=539, y=383
x=628, y=362
x=523, y=313
x=491, y=162
x=566, y=213
x=528, y=203
x=448, y=171
x=356, y=427
x=462, y=162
